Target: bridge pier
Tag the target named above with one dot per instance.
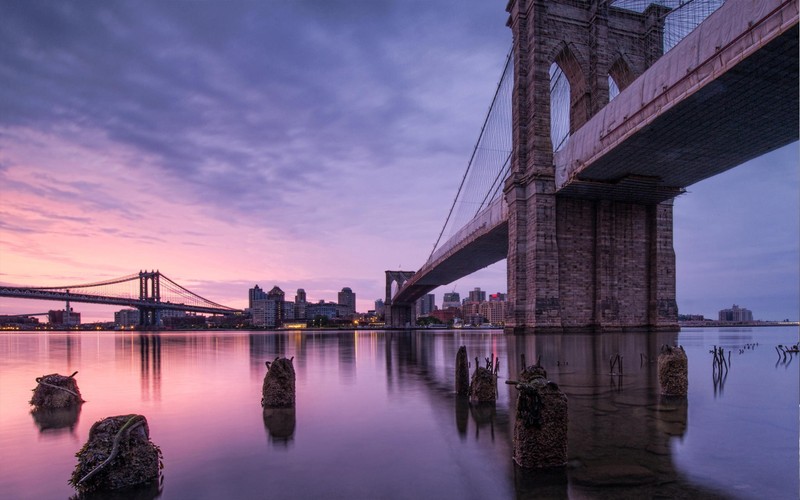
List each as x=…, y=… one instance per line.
x=574, y=263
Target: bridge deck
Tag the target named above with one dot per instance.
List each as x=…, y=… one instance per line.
x=725, y=94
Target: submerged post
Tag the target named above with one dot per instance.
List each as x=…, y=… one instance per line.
x=540, y=430
x=483, y=387
x=673, y=371
x=462, y=372
x=56, y=391
x=278, y=390
x=118, y=454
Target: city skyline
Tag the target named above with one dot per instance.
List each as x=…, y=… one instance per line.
x=305, y=145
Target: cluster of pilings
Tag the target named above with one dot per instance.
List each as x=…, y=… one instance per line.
x=542, y=419
x=119, y=454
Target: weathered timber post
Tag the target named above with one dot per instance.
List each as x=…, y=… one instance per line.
x=540, y=430
x=462, y=372
x=278, y=390
x=56, y=391
x=673, y=371
x=118, y=454
x=483, y=387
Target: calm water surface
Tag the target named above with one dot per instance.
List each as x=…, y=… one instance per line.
x=377, y=416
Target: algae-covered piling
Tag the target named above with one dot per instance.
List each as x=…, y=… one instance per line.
x=56, y=391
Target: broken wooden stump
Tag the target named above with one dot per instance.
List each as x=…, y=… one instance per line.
x=483, y=387
x=462, y=372
x=56, y=391
x=118, y=454
x=673, y=371
x=540, y=430
x=278, y=390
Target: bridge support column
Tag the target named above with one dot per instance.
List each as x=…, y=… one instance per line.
x=398, y=314
x=573, y=263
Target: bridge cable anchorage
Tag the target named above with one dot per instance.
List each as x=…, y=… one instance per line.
x=488, y=161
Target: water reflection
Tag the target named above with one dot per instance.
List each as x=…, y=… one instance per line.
x=387, y=401
x=280, y=424
x=56, y=420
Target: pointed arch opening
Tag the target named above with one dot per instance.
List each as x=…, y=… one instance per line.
x=568, y=98
x=619, y=77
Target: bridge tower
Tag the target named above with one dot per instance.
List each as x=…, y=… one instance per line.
x=574, y=263
x=149, y=291
x=398, y=315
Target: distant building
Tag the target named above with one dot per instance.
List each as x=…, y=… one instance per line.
x=426, y=305
x=329, y=310
x=255, y=293
x=498, y=297
x=477, y=295
x=452, y=299
x=736, y=314
x=126, y=317
x=268, y=312
x=446, y=315
x=300, y=304
x=380, y=308
x=64, y=317
x=347, y=299
x=493, y=312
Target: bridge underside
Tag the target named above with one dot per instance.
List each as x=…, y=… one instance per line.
x=473, y=255
x=747, y=111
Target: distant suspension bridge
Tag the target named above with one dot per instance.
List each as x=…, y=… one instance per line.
x=151, y=292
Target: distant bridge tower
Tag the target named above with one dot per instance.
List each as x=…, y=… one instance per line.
x=580, y=263
x=398, y=315
x=149, y=291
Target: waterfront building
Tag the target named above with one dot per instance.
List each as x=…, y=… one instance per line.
x=736, y=314
x=64, y=317
x=126, y=318
x=493, y=311
x=288, y=311
x=426, y=305
x=329, y=310
x=347, y=299
x=451, y=299
x=268, y=312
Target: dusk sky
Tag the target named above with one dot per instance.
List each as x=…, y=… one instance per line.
x=303, y=144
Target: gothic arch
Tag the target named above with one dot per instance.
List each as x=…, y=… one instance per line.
x=579, y=102
x=621, y=72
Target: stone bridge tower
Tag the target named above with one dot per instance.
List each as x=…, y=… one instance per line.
x=576, y=263
x=398, y=315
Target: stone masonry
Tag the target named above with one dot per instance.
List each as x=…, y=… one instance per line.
x=573, y=263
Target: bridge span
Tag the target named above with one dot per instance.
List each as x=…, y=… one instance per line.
x=149, y=292
x=587, y=229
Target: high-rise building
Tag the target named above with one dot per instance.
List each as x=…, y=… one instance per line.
x=451, y=299
x=300, y=304
x=347, y=299
x=426, y=305
x=268, y=312
x=493, y=311
x=477, y=295
x=497, y=297
x=255, y=293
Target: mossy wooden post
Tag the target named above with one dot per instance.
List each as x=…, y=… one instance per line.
x=118, y=454
x=540, y=430
x=462, y=372
x=673, y=371
x=278, y=390
x=56, y=391
x=483, y=387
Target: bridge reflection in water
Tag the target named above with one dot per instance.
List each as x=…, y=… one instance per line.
x=377, y=414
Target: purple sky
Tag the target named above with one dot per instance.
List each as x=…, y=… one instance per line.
x=304, y=144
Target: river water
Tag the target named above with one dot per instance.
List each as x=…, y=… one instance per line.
x=377, y=417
